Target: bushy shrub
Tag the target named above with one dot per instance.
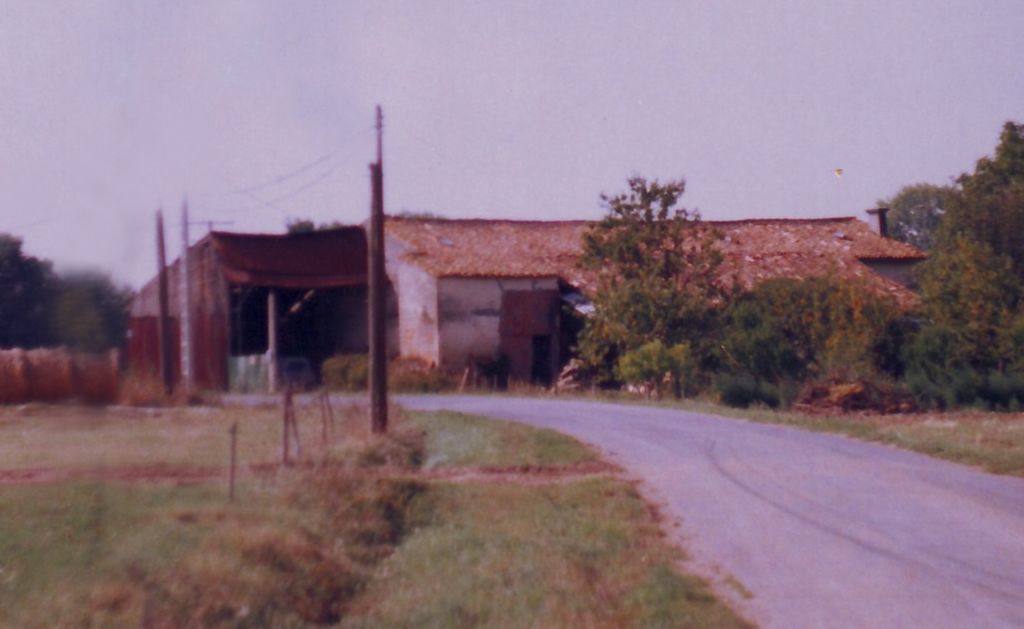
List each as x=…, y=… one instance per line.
x=1004, y=391
x=345, y=372
x=928, y=393
x=416, y=375
x=968, y=387
x=743, y=390
x=650, y=363
x=889, y=350
x=788, y=329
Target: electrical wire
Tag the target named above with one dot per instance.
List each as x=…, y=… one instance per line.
x=344, y=145
x=271, y=204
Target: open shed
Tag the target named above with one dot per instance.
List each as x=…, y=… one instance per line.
x=256, y=300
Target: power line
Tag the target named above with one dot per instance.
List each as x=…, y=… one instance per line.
x=288, y=175
x=345, y=144
x=271, y=204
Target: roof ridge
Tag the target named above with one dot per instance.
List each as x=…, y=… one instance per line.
x=772, y=221
x=481, y=220
x=320, y=233
x=579, y=221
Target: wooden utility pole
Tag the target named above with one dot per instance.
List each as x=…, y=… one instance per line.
x=186, y=304
x=377, y=296
x=164, y=320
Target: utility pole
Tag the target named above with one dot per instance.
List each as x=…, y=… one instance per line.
x=164, y=320
x=186, y=304
x=377, y=296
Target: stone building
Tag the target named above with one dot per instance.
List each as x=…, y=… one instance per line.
x=462, y=292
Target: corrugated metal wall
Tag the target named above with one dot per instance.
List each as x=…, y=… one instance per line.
x=209, y=300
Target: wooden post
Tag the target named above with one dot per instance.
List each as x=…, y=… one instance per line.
x=323, y=420
x=234, y=449
x=294, y=424
x=184, y=282
x=286, y=408
x=377, y=297
x=164, y=320
x=272, y=372
x=330, y=410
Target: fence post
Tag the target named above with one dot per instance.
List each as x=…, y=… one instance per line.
x=234, y=449
x=286, y=406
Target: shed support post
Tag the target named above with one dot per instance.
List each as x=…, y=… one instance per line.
x=272, y=341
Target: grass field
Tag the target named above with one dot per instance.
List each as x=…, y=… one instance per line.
x=368, y=532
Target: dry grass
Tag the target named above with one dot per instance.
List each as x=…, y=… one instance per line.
x=75, y=437
x=295, y=547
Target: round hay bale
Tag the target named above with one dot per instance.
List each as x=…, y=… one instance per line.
x=51, y=375
x=96, y=378
x=13, y=377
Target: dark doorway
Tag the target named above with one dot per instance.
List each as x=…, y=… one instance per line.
x=314, y=324
x=540, y=371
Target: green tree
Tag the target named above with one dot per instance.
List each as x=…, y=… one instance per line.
x=915, y=213
x=657, y=268
x=973, y=293
x=89, y=312
x=990, y=205
x=28, y=286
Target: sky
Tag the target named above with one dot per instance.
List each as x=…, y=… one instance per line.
x=260, y=112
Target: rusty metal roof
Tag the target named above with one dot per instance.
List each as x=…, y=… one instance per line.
x=317, y=259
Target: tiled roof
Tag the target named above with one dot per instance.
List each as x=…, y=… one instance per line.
x=844, y=237
x=755, y=250
x=491, y=248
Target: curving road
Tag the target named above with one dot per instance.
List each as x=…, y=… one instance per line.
x=824, y=531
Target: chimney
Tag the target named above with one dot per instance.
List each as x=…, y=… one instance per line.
x=883, y=225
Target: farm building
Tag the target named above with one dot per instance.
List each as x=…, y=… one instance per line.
x=313, y=283
x=462, y=291
x=469, y=290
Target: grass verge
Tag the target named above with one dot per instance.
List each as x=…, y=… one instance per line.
x=357, y=537
x=581, y=554
x=455, y=439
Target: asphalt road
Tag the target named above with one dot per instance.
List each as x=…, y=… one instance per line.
x=824, y=531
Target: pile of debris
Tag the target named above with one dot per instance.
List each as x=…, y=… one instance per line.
x=857, y=396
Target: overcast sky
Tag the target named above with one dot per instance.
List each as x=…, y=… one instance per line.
x=261, y=111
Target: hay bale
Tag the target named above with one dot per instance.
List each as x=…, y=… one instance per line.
x=51, y=375
x=96, y=378
x=13, y=376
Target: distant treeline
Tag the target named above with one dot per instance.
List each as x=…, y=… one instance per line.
x=81, y=310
